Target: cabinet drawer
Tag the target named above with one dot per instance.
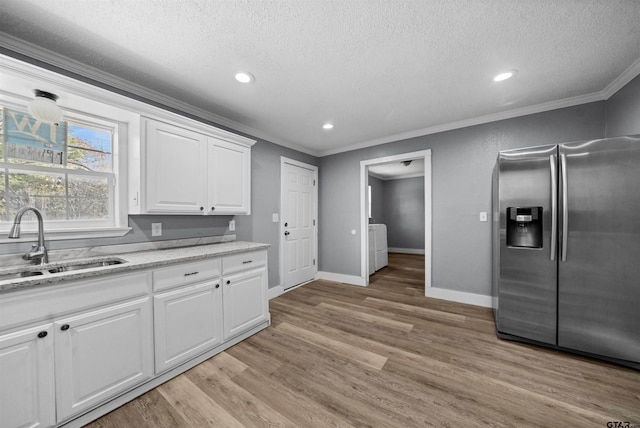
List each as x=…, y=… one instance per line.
x=45, y=303
x=185, y=273
x=243, y=261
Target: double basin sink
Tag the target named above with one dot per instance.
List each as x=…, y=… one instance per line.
x=49, y=269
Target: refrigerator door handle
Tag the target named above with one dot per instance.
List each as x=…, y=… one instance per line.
x=565, y=207
x=554, y=207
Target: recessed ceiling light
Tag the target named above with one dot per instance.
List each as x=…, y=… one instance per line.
x=327, y=126
x=504, y=76
x=244, y=77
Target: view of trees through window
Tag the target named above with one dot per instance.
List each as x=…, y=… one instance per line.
x=78, y=187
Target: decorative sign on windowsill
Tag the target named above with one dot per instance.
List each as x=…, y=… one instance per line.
x=28, y=138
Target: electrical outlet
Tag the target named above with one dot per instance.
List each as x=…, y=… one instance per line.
x=156, y=229
x=232, y=225
x=483, y=216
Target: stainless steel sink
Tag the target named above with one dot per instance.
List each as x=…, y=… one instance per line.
x=85, y=265
x=18, y=275
x=19, y=272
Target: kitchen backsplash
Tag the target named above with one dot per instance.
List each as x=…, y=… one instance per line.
x=173, y=228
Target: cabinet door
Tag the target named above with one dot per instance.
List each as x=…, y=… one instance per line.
x=188, y=322
x=176, y=169
x=102, y=353
x=245, y=301
x=229, y=178
x=27, y=394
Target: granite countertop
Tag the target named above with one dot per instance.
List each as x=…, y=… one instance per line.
x=130, y=262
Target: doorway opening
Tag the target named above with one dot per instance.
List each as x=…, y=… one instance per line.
x=423, y=156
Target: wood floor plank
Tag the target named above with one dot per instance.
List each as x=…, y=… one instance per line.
x=353, y=353
x=417, y=310
x=150, y=410
x=256, y=358
x=386, y=356
x=363, y=316
x=238, y=402
x=302, y=410
x=195, y=407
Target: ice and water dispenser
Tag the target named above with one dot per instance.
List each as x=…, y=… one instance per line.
x=524, y=227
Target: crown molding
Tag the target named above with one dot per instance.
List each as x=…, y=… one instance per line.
x=115, y=84
x=28, y=52
x=480, y=120
x=619, y=82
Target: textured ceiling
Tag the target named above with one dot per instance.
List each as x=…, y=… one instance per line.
x=379, y=70
x=396, y=170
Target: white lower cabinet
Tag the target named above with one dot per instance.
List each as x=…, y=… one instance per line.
x=67, y=351
x=187, y=322
x=244, y=292
x=102, y=353
x=27, y=378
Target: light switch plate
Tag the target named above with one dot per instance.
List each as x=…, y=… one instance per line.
x=156, y=229
x=483, y=216
x=232, y=225
x=275, y=217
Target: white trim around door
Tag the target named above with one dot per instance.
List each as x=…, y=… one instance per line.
x=283, y=229
x=364, y=216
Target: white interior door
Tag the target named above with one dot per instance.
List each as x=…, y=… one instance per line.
x=298, y=223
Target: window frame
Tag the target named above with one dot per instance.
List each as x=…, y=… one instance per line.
x=116, y=224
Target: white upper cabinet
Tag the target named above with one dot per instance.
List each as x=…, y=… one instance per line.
x=176, y=164
x=229, y=177
x=191, y=170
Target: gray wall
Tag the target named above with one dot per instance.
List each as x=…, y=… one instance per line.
x=462, y=161
x=404, y=212
x=623, y=110
x=257, y=227
x=265, y=200
x=173, y=227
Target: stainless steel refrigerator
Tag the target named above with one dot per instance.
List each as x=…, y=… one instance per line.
x=566, y=251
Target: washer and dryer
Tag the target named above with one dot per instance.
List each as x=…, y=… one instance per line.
x=378, y=257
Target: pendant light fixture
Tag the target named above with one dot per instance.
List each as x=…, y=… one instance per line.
x=44, y=107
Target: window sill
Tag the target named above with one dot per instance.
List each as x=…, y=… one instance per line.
x=61, y=235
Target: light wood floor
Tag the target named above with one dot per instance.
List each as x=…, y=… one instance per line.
x=385, y=356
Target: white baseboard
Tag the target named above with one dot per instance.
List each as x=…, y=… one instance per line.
x=459, y=296
x=274, y=292
x=436, y=293
x=405, y=250
x=338, y=277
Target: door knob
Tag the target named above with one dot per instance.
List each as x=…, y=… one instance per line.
x=286, y=233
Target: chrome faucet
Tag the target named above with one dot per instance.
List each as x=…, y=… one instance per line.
x=38, y=252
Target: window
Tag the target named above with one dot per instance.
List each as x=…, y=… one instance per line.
x=66, y=171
